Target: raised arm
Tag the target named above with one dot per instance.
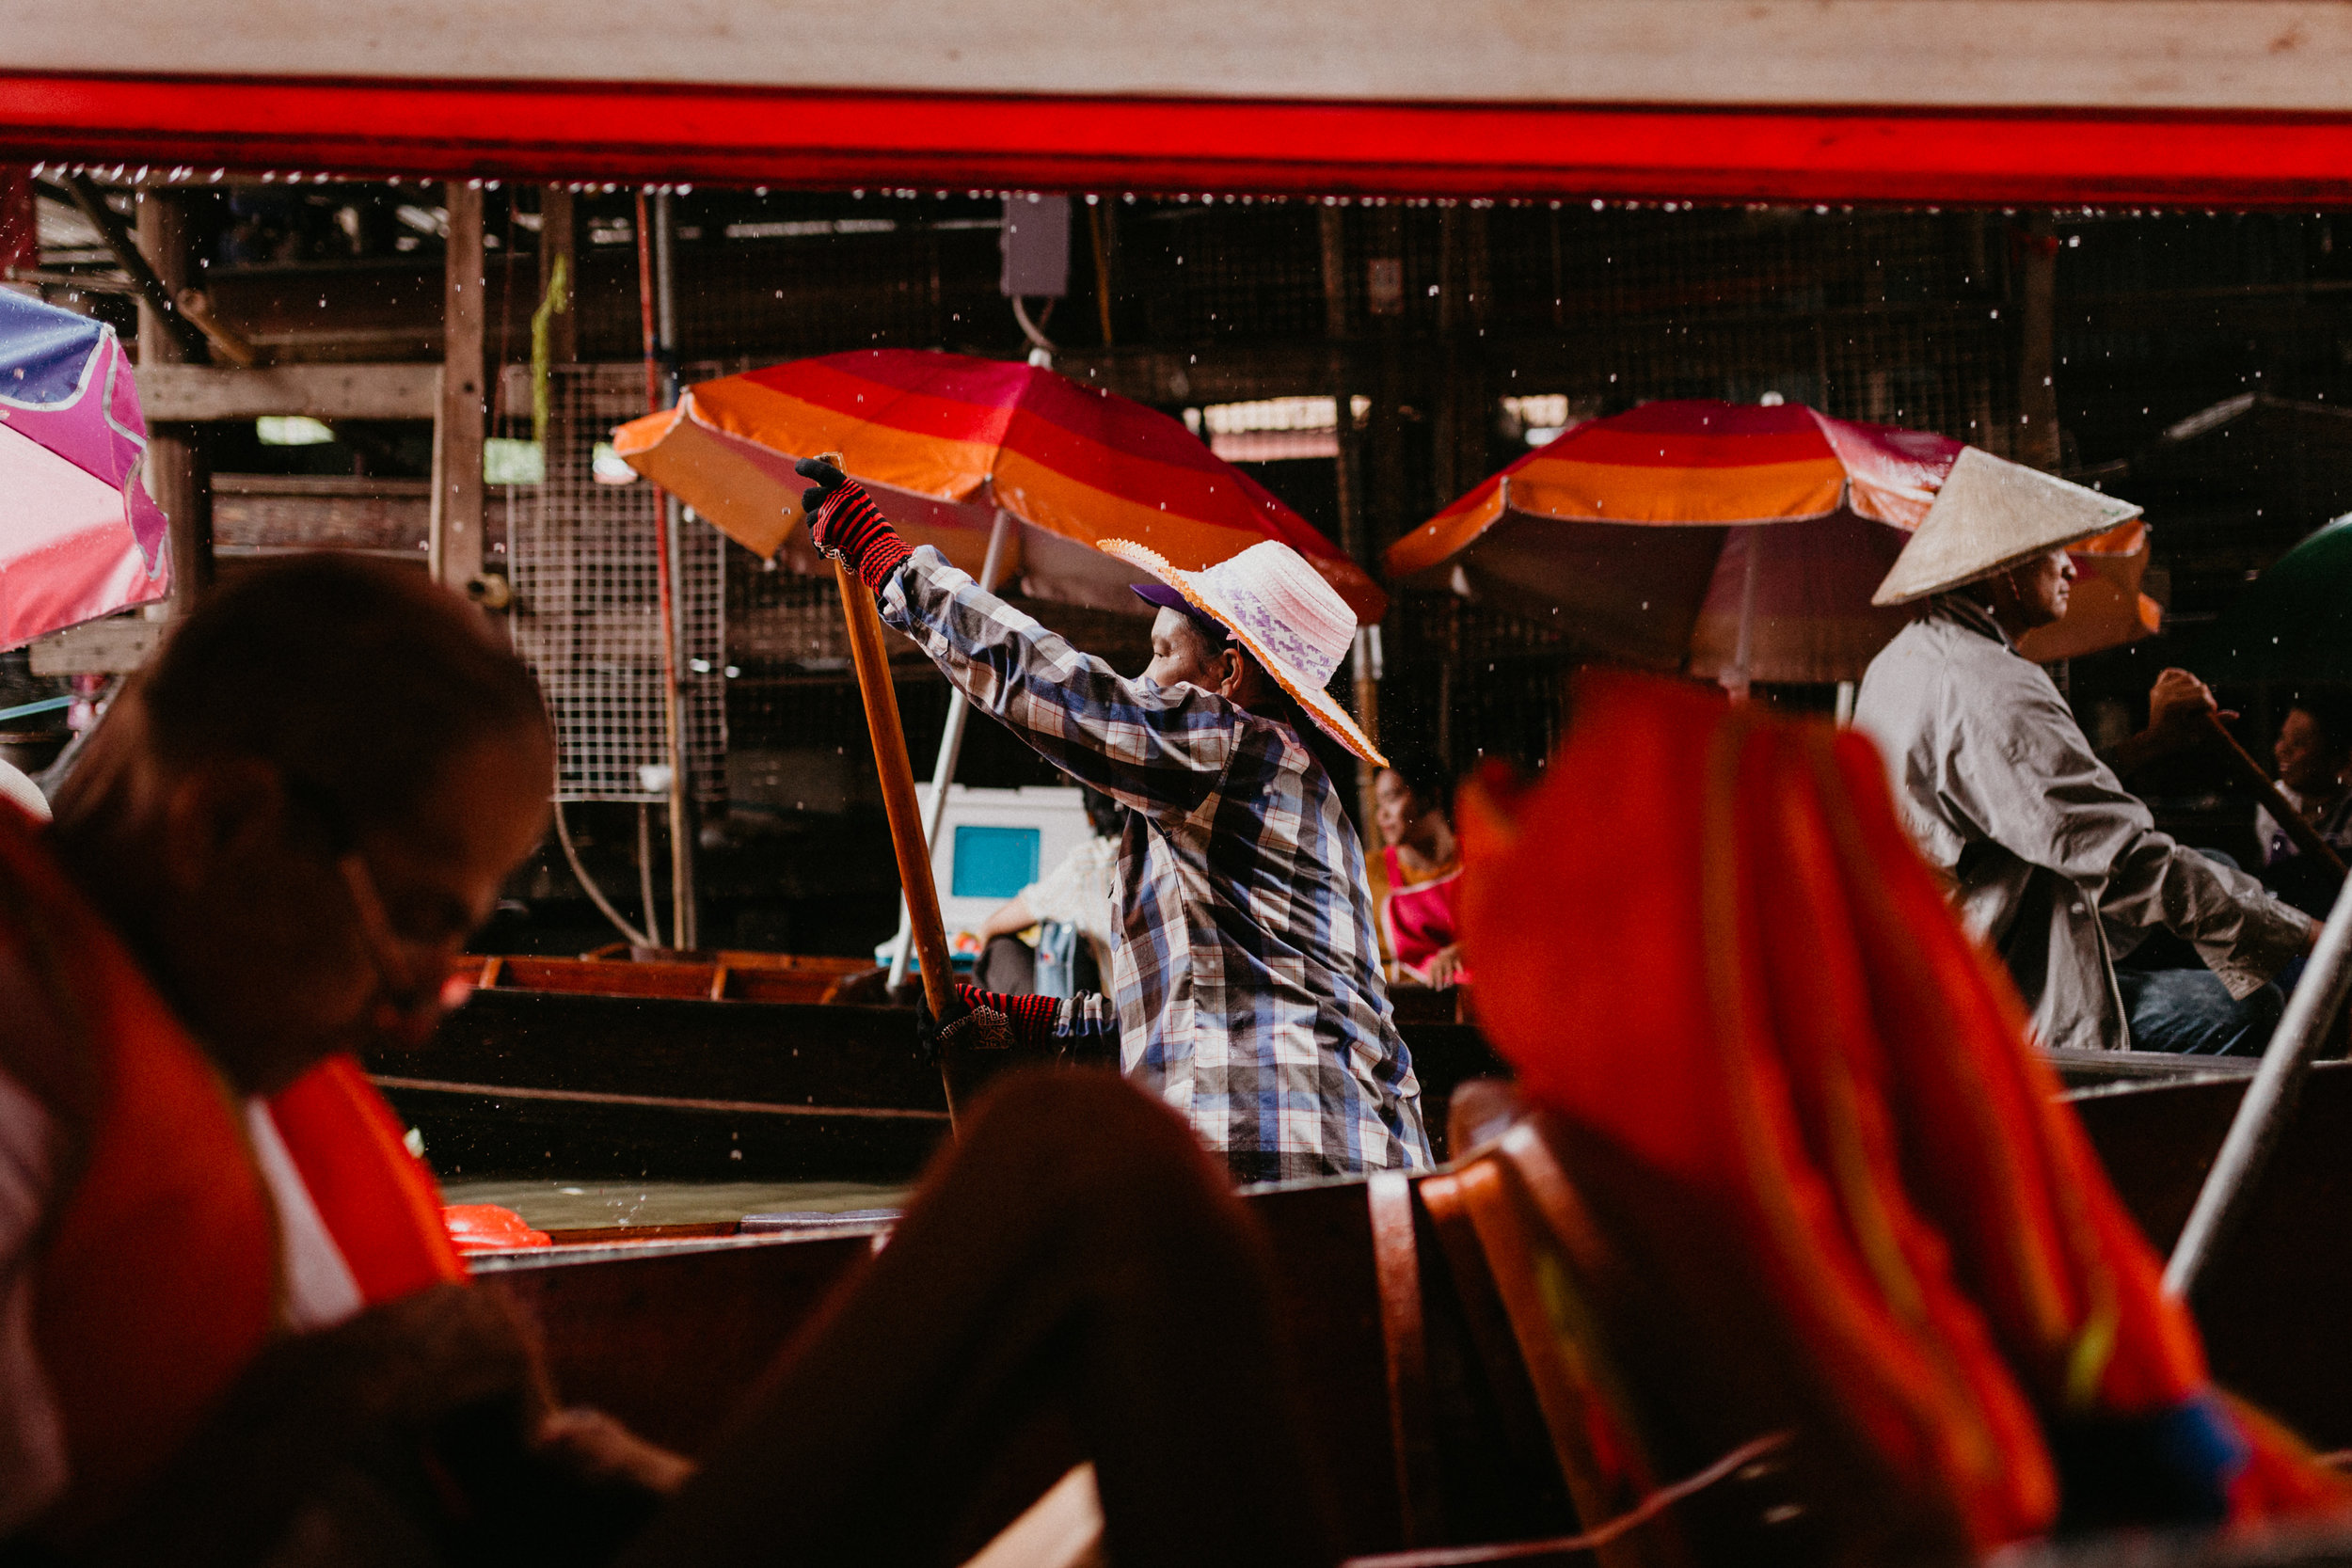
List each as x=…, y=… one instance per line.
x=1009, y=916
x=1156, y=749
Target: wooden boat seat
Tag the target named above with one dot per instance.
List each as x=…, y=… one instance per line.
x=722, y=976
x=1515, y=1243
x=1534, y=1282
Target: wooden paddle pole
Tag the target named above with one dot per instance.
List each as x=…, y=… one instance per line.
x=2268, y=1108
x=2250, y=773
x=1000, y=548
x=899, y=803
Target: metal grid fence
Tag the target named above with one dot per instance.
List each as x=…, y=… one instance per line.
x=1890, y=317
x=1467, y=682
x=587, y=605
x=1203, y=275
x=1898, y=317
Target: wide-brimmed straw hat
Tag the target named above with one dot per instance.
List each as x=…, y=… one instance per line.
x=1990, y=515
x=1277, y=606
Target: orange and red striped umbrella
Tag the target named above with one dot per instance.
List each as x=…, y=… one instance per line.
x=1653, y=535
x=946, y=442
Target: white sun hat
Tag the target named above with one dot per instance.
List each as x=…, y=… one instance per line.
x=1992, y=514
x=1280, y=608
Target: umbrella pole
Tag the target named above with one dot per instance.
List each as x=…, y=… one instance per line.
x=2264, y=1115
x=682, y=923
x=950, y=744
x=872, y=661
x=1736, y=680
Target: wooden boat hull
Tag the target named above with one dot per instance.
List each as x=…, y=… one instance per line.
x=522, y=1084
x=2277, y=1299
x=526, y=1083
x=666, y=1334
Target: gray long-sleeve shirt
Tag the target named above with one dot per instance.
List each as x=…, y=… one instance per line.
x=2054, y=865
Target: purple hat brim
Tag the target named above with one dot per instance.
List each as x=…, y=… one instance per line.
x=1168, y=597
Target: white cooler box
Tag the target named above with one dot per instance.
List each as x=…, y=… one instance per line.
x=991, y=844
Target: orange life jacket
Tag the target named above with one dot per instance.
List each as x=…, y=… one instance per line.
x=159, y=1277
x=1706, y=943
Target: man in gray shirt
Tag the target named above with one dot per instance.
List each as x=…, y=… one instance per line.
x=2053, y=864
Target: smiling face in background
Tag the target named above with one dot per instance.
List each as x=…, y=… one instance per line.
x=2310, y=761
x=1395, y=808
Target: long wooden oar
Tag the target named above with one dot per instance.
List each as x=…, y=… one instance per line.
x=2252, y=775
x=2268, y=1108
x=872, y=659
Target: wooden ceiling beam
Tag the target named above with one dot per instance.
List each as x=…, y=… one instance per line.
x=198, y=394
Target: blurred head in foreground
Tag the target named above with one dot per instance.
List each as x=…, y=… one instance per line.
x=301, y=808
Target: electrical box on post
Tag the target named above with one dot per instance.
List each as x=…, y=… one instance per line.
x=1035, y=245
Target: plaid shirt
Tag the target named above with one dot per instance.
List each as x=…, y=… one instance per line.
x=1244, y=965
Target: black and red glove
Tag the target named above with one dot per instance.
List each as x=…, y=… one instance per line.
x=1031, y=1018
x=844, y=521
x=991, y=1021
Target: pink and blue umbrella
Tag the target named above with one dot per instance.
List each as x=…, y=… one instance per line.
x=79, y=535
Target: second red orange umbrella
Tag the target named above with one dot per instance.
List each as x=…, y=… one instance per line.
x=1729, y=541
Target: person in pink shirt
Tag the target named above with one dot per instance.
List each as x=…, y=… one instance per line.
x=1420, y=915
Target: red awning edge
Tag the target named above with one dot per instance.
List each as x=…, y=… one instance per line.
x=631, y=132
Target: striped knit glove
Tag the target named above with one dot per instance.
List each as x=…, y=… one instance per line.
x=1031, y=1018
x=844, y=521
x=987, y=1021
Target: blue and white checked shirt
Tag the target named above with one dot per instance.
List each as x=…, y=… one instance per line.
x=1243, y=966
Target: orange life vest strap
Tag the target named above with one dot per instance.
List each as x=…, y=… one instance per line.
x=161, y=1274
x=379, y=1202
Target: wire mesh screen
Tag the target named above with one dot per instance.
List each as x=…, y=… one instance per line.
x=587, y=605
x=1891, y=317
x=1467, y=683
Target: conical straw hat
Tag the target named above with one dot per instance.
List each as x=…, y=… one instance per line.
x=1990, y=514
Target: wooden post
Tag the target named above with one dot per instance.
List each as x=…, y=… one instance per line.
x=1388, y=509
x=1342, y=380
x=685, y=919
x=455, y=543
x=559, y=237
x=1348, y=476
x=179, y=468
x=1464, y=411
x=2036, y=440
x=1445, y=448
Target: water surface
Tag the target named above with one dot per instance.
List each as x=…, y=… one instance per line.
x=554, y=1205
